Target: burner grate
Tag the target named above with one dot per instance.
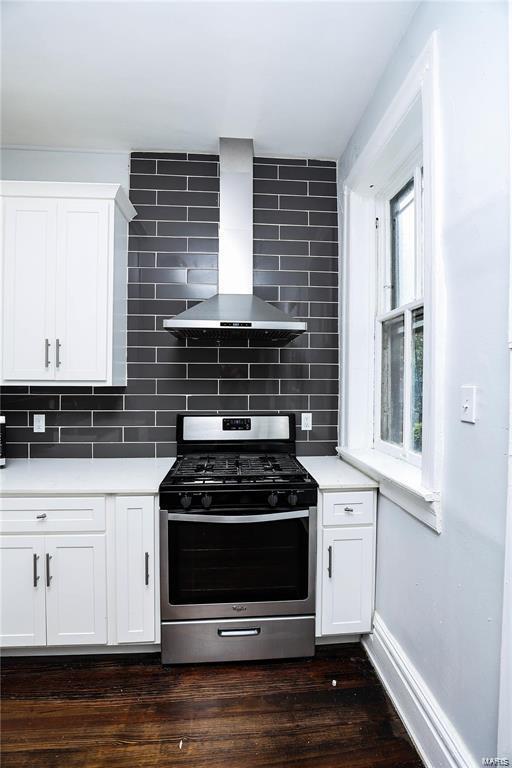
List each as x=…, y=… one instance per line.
x=236, y=467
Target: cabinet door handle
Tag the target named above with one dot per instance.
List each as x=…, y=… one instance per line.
x=36, y=577
x=329, y=566
x=48, y=576
x=42, y=516
x=47, y=353
x=146, y=568
x=58, y=345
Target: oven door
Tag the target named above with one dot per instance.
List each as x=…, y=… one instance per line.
x=257, y=564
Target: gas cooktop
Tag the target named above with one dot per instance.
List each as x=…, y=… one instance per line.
x=235, y=468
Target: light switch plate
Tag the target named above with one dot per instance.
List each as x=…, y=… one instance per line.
x=39, y=422
x=468, y=404
x=307, y=421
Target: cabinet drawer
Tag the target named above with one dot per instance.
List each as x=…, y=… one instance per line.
x=348, y=508
x=52, y=515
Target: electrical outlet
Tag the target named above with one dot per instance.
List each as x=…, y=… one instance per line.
x=307, y=421
x=39, y=422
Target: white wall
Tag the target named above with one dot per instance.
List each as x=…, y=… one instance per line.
x=441, y=596
x=64, y=165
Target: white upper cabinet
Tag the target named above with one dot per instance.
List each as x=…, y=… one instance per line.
x=64, y=276
x=28, y=295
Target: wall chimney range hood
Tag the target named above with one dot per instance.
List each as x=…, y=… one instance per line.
x=234, y=313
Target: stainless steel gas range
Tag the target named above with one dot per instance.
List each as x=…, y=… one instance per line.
x=238, y=542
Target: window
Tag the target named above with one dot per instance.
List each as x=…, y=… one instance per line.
x=399, y=331
x=392, y=299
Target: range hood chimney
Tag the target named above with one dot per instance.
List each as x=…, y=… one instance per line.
x=234, y=312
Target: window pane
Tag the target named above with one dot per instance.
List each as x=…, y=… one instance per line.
x=403, y=246
x=417, y=379
x=392, y=387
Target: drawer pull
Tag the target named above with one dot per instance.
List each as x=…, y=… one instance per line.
x=329, y=566
x=36, y=577
x=42, y=516
x=349, y=509
x=239, y=632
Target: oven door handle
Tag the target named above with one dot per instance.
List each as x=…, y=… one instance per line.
x=267, y=518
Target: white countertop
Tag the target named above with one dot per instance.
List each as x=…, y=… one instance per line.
x=333, y=474
x=35, y=477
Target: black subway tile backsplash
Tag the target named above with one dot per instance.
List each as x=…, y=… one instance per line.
x=173, y=253
x=310, y=173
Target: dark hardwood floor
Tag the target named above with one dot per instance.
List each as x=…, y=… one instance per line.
x=130, y=712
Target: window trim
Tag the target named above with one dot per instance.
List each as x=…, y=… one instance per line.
x=411, y=119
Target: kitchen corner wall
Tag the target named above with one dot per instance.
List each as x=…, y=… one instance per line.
x=173, y=265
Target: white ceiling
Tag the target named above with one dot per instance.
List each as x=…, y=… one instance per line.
x=295, y=76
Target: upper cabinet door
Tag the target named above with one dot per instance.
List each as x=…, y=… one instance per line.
x=29, y=249
x=83, y=313
x=22, y=591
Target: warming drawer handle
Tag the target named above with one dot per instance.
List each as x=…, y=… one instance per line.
x=239, y=632
x=239, y=519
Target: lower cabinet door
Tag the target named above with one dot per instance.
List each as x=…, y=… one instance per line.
x=76, y=590
x=22, y=591
x=347, y=581
x=135, y=569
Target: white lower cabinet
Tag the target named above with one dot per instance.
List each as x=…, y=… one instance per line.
x=54, y=590
x=78, y=571
x=346, y=562
x=22, y=598
x=347, y=583
x=135, y=569
x=76, y=590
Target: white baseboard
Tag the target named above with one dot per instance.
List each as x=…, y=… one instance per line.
x=435, y=738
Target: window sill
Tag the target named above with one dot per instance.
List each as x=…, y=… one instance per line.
x=398, y=481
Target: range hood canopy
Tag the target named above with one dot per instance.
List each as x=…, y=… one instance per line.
x=234, y=312
x=229, y=315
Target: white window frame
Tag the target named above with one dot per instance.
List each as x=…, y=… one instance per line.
x=411, y=120
x=410, y=170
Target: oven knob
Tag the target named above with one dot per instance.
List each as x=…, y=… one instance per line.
x=273, y=499
x=292, y=498
x=206, y=500
x=186, y=501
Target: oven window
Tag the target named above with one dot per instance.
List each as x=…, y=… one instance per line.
x=245, y=562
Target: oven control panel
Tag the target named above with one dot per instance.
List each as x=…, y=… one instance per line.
x=236, y=424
